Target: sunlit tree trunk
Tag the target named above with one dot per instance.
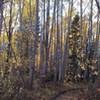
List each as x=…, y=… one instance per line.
x=33, y=47
x=52, y=34
x=51, y=42
x=66, y=45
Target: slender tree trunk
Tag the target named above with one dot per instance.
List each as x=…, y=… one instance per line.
x=57, y=74
x=32, y=49
x=1, y=15
x=66, y=45
x=46, y=38
x=81, y=33
x=58, y=66
x=90, y=42
x=53, y=31
x=42, y=46
x=61, y=71
x=97, y=54
x=20, y=13
x=31, y=52
x=98, y=5
x=9, y=33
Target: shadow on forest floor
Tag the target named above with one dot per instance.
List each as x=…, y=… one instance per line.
x=55, y=91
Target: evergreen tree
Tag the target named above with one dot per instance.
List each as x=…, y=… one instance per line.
x=74, y=47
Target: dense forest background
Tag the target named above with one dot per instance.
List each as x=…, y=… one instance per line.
x=49, y=50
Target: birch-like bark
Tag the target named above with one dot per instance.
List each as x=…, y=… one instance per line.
x=42, y=46
x=46, y=38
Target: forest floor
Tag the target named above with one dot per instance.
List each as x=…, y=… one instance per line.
x=53, y=91
x=58, y=91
